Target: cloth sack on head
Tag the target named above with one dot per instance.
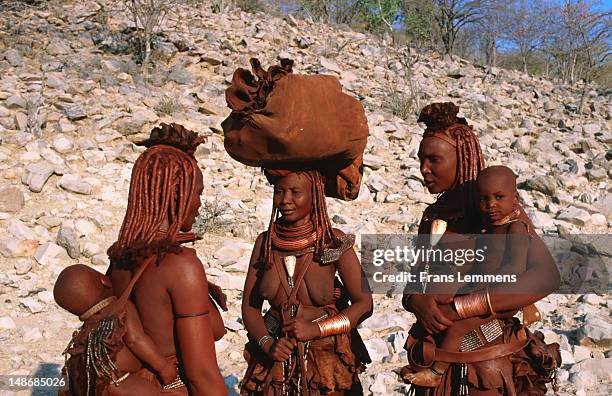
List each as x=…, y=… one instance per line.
x=281, y=120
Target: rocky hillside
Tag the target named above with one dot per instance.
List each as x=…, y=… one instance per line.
x=72, y=100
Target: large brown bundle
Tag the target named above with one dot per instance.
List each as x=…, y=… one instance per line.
x=293, y=121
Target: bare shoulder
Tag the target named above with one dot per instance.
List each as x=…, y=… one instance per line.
x=184, y=265
x=518, y=228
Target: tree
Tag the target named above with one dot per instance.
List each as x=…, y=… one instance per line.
x=381, y=15
x=418, y=23
x=525, y=27
x=451, y=16
x=332, y=11
x=584, y=33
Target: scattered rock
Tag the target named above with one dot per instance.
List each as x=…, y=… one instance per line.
x=73, y=183
x=67, y=238
x=23, y=266
x=49, y=253
x=11, y=199
x=36, y=175
x=7, y=323
x=575, y=215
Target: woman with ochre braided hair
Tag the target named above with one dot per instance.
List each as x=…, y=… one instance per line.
x=172, y=294
x=502, y=357
x=306, y=343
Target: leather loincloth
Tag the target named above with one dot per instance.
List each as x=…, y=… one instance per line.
x=525, y=371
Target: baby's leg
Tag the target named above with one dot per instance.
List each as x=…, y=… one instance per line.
x=133, y=385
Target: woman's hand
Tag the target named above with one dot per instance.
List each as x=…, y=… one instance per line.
x=302, y=330
x=281, y=349
x=427, y=310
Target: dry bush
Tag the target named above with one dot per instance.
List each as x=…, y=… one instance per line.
x=210, y=219
x=169, y=105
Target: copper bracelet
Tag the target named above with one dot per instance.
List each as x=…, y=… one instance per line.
x=337, y=324
x=471, y=305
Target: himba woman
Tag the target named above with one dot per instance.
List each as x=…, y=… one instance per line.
x=504, y=357
x=304, y=344
x=172, y=294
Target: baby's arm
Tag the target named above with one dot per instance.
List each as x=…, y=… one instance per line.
x=517, y=245
x=143, y=347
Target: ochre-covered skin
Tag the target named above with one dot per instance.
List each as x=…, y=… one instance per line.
x=498, y=203
x=172, y=296
x=450, y=163
x=80, y=290
x=333, y=361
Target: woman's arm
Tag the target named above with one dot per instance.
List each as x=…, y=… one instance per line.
x=252, y=302
x=189, y=293
x=353, y=278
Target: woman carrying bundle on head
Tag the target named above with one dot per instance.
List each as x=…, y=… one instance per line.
x=499, y=355
x=306, y=343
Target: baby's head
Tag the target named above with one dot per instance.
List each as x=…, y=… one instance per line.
x=497, y=193
x=79, y=287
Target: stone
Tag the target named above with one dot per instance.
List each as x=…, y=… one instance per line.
x=595, y=330
x=583, y=379
x=20, y=121
x=377, y=349
x=23, y=266
x=567, y=357
x=15, y=102
x=85, y=227
x=62, y=144
x=65, y=126
x=381, y=322
x=575, y=215
x=13, y=57
x=522, y=144
x=596, y=174
x=67, y=238
x=20, y=230
x=580, y=353
x=136, y=122
x=540, y=219
x=545, y=184
x=90, y=249
x=7, y=323
x=36, y=175
x=592, y=299
x=32, y=305
x=75, y=113
x=233, y=324
x=230, y=252
x=597, y=219
x=49, y=253
x=100, y=260
x=601, y=368
x=14, y=247
x=11, y=199
x=180, y=75
x=73, y=183
x=32, y=334
x=330, y=65
x=591, y=129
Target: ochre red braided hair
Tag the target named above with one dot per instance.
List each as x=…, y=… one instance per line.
x=161, y=188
